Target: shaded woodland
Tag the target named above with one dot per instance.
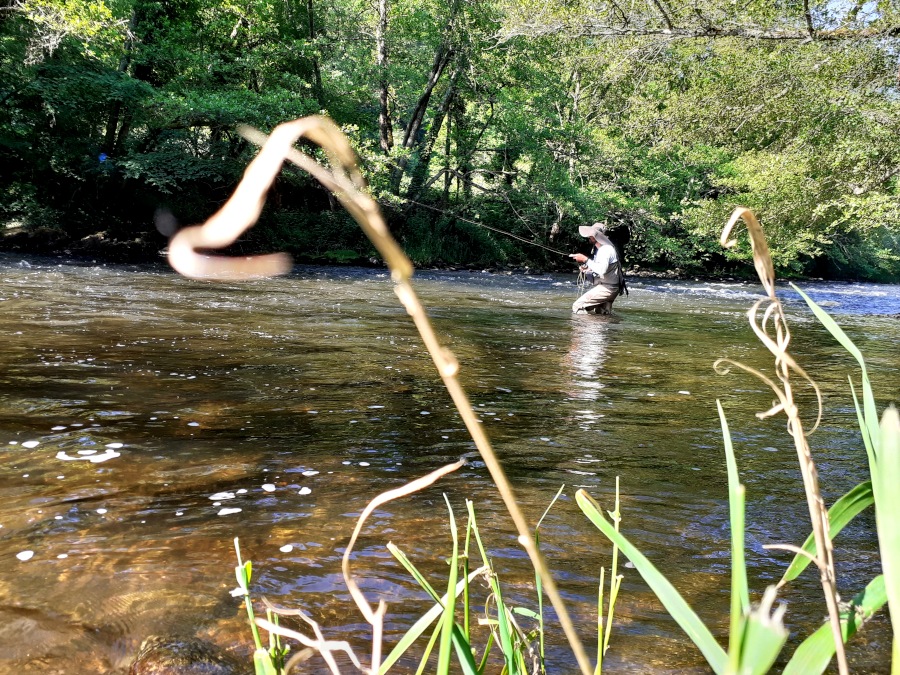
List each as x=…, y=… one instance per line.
x=521, y=115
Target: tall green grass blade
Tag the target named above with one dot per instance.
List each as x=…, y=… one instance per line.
x=507, y=644
x=871, y=414
x=762, y=638
x=507, y=639
x=675, y=605
x=524, y=611
x=487, y=653
x=432, y=641
x=549, y=506
x=464, y=652
x=521, y=666
x=539, y=588
x=615, y=584
x=243, y=573
x=599, y=667
x=484, y=557
x=414, y=573
x=461, y=645
x=740, y=595
x=422, y=624
x=614, y=579
x=887, y=508
x=448, y=620
x=262, y=663
x=816, y=651
x=739, y=588
x=840, y=514
x=467, y=611
x=869, y=442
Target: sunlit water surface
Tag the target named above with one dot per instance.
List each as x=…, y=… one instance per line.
x=147, y=420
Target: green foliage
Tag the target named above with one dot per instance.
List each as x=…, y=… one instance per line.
x=670, y=598
x=515, y=644
x=535, y=133
x=265, y=661
x=882, y=444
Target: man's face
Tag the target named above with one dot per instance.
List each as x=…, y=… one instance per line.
x=592, y=240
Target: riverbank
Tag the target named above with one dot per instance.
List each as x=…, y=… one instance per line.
x=150, y=248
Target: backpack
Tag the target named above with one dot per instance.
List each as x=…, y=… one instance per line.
x=623, y=287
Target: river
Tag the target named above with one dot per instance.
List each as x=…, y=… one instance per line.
x=146, y=420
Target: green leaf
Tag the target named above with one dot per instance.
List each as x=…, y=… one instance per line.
x=871, y=414
x=448, y=621
x=243, y=573
x=507, y=640
x=524, y=611
x=262, y=663
x=840, y=514
x=816, y=651
x=887, y=506
x=675, y=605
x=422, y=624
x=414, y=572
x=538, y=584
x=762, y=636
x=740, y=595
x=426, y=654
x=464, y=652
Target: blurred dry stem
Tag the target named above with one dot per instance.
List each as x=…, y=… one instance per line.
x=344, y=179
x=772, y=330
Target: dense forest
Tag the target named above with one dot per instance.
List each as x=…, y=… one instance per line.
x=118, y=122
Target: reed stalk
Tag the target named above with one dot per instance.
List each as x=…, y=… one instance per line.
x=345, y=180
x=772, y=330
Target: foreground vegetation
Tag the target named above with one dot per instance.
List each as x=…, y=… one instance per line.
x=757, y=634
x=516, y=114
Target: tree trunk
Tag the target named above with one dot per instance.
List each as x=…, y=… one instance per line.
x=421, y=169
x=317, y=74
x=110, y=142
x=122, y=136
x=463, y=155
x=386, y=131
x=413, y=128
x=573, y=116
x=448, y=147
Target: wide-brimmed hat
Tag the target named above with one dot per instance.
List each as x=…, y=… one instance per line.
x=595, y=230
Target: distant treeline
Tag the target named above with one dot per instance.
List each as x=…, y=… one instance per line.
x=524, y=116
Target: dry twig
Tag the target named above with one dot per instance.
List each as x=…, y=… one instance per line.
x=344, y=179
x=773, y=332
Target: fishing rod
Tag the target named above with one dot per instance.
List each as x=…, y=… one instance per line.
x=581, y=283
x=489, y=227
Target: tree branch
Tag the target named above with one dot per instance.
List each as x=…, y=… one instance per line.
x=808, y=17
x=590, y=29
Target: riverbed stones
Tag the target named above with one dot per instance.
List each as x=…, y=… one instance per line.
x=184, y=656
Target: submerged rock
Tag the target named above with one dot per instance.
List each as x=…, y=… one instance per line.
x=184, y=656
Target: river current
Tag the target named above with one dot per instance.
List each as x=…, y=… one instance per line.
x=146, y=420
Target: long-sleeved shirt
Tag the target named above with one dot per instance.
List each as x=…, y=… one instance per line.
x=604, y=264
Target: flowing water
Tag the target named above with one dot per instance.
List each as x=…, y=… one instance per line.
x=147, y=420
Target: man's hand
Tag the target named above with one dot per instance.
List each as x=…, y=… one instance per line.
x=579, y=257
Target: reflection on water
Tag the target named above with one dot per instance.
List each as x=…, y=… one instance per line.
x=146, y=420
x=587, y=354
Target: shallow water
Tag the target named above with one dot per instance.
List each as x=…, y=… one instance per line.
x=171, y=416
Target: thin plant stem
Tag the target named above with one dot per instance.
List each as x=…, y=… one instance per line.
x=773, y=319
x=599, y=667
x=614, y=579
x=344, y=179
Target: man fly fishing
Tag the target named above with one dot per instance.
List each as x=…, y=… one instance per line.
x=606, y=271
